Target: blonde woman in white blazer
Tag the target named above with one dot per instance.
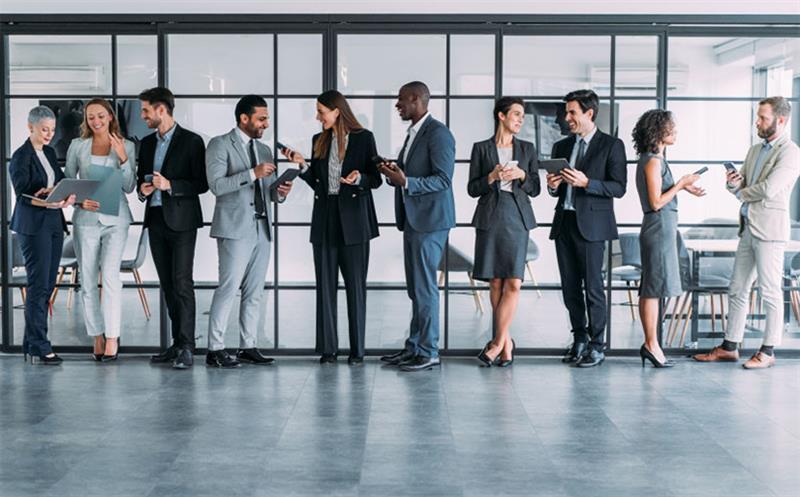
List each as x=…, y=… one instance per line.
x=100, y=238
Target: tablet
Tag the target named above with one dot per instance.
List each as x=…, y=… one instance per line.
x=554, y=166
x=82, y=188
x=288, y=175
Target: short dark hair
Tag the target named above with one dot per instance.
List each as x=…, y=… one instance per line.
x=780, y=106
x=504, y=105
x=587, y=99
x=651, y=129
x=159, y=96
x=419, y=89
x=247, y=105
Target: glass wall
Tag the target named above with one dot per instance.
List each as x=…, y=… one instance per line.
x=712, y=84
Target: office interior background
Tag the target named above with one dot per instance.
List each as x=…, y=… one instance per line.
x=709, y=69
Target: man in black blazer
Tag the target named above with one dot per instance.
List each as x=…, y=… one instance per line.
x=175, y=158
x=584, y=221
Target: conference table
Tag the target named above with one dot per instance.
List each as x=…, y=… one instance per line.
x=700, y=248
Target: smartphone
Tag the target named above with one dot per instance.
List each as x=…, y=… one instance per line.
x=701, y=171
x=148, y=178
x=378, y=160
x=511, y=163
x=281, y=146
x=729, y=167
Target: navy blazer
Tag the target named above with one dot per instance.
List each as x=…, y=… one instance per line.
x=427, y=200
x=605, y=164
x=356, y=205
x=28, y=177
x=185, y=168
x=483, y=161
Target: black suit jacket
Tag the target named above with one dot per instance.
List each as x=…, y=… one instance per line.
x=185, y=167
x=28, y=177
x=356, y=206
x=484, y=159
x=605, y=165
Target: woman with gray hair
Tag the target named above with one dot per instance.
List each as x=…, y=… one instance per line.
x=39, y=226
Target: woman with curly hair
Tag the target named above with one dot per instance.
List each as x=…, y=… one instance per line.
x=658, y=238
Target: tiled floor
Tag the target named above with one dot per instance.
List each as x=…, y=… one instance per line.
x=296, y=428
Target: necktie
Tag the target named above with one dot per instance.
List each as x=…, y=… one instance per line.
x=569, y=201
x=581, y=152
x=258, y=198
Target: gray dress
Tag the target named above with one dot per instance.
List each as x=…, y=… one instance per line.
x=658, y=239
x=500, y=250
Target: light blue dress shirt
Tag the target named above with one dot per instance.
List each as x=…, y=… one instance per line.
x=162, y=145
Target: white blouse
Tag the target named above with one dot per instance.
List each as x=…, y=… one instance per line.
x=48, y=168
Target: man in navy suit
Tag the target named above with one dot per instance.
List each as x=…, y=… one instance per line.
x=584, y=221
x=424, y=212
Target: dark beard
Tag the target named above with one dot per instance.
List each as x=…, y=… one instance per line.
x=769, y=131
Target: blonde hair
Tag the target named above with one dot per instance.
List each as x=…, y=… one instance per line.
x=113, y=126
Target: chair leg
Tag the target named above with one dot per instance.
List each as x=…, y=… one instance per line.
x=630, y=301
x=533, y=278
x=59, y=279
x=23, y=292
x=674, y=318
x=441, y=278
x=142, y=295
x=722, y=317
x=795, y=300
x=475, y=294
x=685, y=325
x=665, y=308
x=684, y=314
x=713, y=313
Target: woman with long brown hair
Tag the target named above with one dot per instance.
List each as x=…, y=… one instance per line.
x=342, y=174
x=100, y=231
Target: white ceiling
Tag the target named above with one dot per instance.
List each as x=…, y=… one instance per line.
x=721, y=7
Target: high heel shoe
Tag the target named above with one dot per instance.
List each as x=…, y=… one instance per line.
x=109, y=358
x=646, y=354
x=484, y=358
x=504, y=363
x=99, y=357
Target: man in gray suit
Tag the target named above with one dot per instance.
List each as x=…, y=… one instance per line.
x=424, y=212
x=240, y=171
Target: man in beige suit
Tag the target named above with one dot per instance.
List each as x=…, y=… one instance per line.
x=764, y=186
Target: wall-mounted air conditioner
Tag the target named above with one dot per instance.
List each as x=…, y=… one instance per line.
x=637, y=79
x=56, y=79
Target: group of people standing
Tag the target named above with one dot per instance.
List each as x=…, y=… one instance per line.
x=175, y=168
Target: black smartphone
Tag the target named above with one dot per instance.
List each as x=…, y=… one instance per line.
x=281, y=146
x=378, y=160
x=148, y=178
x=701, y=171
x=730, y=167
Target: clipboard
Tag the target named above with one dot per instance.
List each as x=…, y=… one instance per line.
x=554, y=166
x=81, y=188
x=108, y=189
x=288, y=175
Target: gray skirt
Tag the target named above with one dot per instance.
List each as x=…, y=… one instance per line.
x=661, y=267
x=500, y=251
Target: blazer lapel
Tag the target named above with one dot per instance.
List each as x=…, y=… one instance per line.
x=170, y=147
x=769, y=161
x=594, y=144
x=236, y=142
x=417, y=139
x=39, y=166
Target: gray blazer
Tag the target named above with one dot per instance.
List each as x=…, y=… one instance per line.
x=79, y=158
x=228, y=172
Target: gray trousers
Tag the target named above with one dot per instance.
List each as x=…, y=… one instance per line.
x=242, y=265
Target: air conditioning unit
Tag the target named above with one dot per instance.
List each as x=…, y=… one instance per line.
x=637, y=79
x=56, y=80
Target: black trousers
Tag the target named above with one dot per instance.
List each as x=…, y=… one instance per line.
x=580, y=263
x=330, y=256
x=173, y=255
x=42, y=253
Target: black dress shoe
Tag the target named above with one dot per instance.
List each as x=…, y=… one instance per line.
x=403, y=358
x=221, y=359
x=392, y=357
x=591, y=359
x=327, y=359
x=184, y=360
x=575, y=352
x=168, y=355
x=420, y=364
x=52, y=360
x=355, y=360
x=253, y=356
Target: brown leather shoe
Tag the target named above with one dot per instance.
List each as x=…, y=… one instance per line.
x=759, y=360
x=718, y=354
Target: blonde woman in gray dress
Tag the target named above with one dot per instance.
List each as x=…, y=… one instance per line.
x=658, y=238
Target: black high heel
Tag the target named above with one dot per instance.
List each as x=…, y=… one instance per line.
x=484, y=358
x=99, y=357
x=506, y=363
x=109, y=358
x=646, y=354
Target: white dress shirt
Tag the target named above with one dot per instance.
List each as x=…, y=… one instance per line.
x=48, y=168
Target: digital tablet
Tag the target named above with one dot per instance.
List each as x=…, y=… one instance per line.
x=82, y=188
x=554, y=166
x=288, y=175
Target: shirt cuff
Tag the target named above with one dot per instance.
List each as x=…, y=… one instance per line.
x=359, y=177
x=252, y=175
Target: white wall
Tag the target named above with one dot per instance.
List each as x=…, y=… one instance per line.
x=720, y=7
